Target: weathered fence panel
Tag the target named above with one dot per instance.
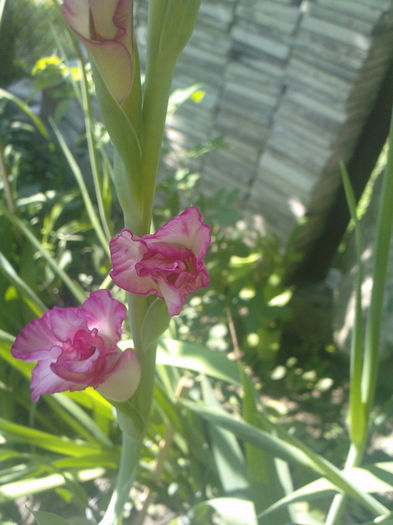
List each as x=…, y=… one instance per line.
x=290, y=84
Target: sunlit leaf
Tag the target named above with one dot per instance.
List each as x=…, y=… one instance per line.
x=294, y=455
x=372, y=478
x=228, y=456
x=233, y=511
x=197, y=358
x=33, y=486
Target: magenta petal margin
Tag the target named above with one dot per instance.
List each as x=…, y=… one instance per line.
x=168, y=263
x=77, y=348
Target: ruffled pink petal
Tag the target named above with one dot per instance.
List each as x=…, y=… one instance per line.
x=35, y=340
x=123, y=379
x=89, y=372
x=77, y=15
x=44, y=380
x=106, y=314
x=65, y=322
x=172, y=296
x=186, y=229
x=126, y=251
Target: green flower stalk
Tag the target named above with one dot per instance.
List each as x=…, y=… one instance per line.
x=135, y=120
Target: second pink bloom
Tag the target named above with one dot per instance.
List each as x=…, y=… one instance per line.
x=168, y=263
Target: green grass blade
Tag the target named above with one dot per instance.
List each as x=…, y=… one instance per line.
x=25, y=108
x=31, y=436
x=83, y=189
x=5, y=337
x=18, y=489
x=381, y=258
x=228, y=456
x=199, y=359
x=73, y=287
x=377, y=478
x=22, y=366
x=232, y=511
x=79, y=415
x=92, y=147
x=358, y=425
x=2, y=6
x=299, y=454
x=48, y=518
x=269, y=477
x=386, y=520
x=94, y=401
x=35, y=303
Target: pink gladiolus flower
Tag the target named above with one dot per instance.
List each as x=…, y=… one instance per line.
x=105, y=27
x=168, y=263
x=76, y=348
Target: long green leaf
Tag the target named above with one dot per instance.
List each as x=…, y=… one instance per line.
x=35, y=303
x=197, y=358
x=74, y=287
x=25, y=108
x=380, y=266
x=5, y=337
x=294, y=455
x=91, y=399
x=61, y=445
x=33, y=486
x=366, y=477
x=386, y=520
x=228, y=456
x=358, y=426
x=233, y=511
x=22, y=366
x=83, y=189
x=48, y=518
x=2, y=6
x=84, y=419
x=268, y=476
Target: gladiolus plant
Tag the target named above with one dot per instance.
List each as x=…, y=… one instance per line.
x=77, y=347
x=235, y=463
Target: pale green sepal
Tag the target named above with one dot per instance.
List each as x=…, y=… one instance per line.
x=124, y=138
x=155, y=323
